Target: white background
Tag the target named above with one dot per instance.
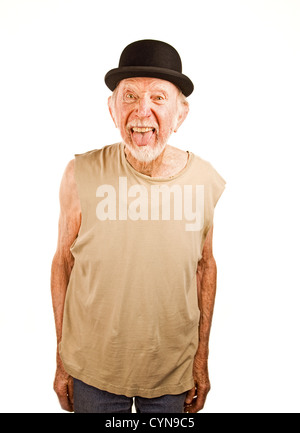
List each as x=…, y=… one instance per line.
x=243, y=57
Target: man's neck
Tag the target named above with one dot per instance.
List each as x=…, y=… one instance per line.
x=151, y=168
x=169, y=163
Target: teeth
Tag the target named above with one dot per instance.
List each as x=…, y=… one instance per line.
x=142, y=129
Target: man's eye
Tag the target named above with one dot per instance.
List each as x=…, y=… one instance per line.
x=129, y=96
x=159, y=98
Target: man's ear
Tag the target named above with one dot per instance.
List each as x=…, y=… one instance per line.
x=184, y=110
x=111, y=110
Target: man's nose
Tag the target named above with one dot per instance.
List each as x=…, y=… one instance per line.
x=144, y=107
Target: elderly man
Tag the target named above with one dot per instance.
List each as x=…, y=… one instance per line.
x=133, y=279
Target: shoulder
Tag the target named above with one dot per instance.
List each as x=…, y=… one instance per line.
x=68, y=175
x=95, y=153
x=203, y=164
x=68, y=194
x=207, y=169
x=209, y=177
x=90, y=164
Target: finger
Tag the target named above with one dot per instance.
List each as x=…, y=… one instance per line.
x=190, y=395
x=64, y=401
x=71, y=392
x=61, y=390
x=198, y=403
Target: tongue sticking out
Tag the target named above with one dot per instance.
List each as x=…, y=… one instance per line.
x=142, y=138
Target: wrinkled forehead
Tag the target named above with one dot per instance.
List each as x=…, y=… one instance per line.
x=148, y=84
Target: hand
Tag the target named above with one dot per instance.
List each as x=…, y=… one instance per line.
x=63, y=386
x=196, y=397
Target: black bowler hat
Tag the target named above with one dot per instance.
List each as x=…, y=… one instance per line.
x=149, y=58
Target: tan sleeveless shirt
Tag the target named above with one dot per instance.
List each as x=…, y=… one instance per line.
x=131, y=312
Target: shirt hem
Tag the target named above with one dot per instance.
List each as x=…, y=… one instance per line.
x=178, y=388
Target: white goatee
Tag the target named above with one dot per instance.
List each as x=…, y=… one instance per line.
x=145, y=153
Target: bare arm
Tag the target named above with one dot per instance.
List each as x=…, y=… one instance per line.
x=206, y=286
x=62, y=264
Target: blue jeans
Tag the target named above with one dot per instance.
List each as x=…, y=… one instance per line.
x=88, y=399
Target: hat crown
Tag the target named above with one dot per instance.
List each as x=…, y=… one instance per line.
x=151, y=53
x=150, y=58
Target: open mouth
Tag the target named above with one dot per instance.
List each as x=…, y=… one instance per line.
x=142, y=136
x=142, y=130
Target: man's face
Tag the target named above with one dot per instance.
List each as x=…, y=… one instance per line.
x=147, y=111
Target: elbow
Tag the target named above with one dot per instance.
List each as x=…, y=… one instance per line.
x=208, y=264
x=211, y=263
x=62, y=260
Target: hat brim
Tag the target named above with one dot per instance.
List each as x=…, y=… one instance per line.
x=114, y=76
